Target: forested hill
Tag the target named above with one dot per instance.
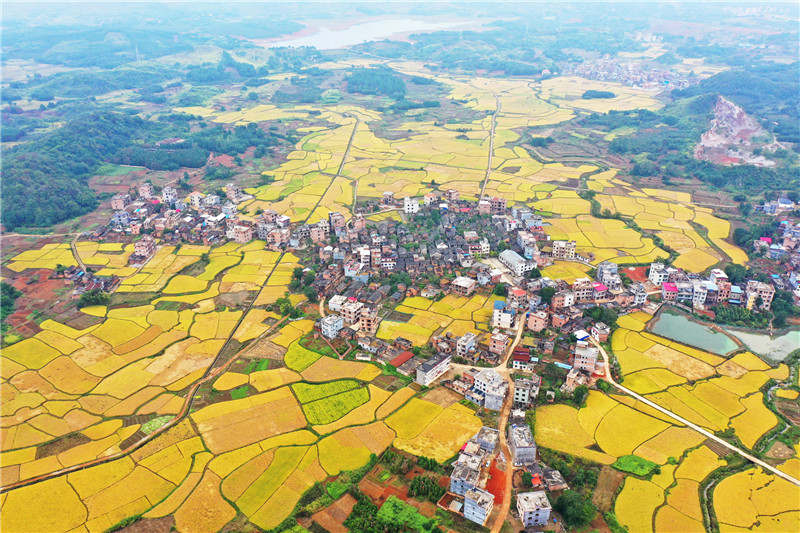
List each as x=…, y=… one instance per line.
x=45, y=181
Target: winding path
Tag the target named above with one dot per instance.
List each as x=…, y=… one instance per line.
x=702, y=431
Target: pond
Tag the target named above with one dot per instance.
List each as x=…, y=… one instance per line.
x=775, y=348
x=679, y=327
x=324, y=38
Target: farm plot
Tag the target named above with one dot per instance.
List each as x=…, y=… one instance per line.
x=334, y=407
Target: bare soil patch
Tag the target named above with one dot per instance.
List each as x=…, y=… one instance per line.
x=442, y=396
x=332, y=517
x=780, y=451
x=608, y=482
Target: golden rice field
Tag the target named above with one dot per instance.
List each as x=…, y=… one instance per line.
x=230, y=459
x=224, y=458
x=706, y=389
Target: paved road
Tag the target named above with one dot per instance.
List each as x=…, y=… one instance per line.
x=491, y=146
x=695, y=427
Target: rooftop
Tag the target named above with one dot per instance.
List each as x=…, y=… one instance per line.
x=532, y=501
x=521, y=436
x=482, y=498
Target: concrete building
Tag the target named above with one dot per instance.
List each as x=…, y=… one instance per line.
x=336, y=302
x=368, y=321
x=537, y=321
x=463, y=286
x=502, y=316
x=145, y=247
x=600, y=332
x=585, y=357
x=146, y=190
x=351, y=311
x=515, y=262
x=466, y=344
x=525, y=391
x=756, y=289
x=564, y=250
x=119, y=201
x=498, y=343
x=521, y=444
x=330, y=325
x=565, y=298
x=639, y=294
x=487, y=438
x=410, y=205
x=431, y=369
x=658, y=273
x=241, y=233
x=169, y=195
x=493, y=387
x=478, y=505
x=533, y=508
x=463, y=478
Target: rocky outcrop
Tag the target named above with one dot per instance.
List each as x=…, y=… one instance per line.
x=732, y=137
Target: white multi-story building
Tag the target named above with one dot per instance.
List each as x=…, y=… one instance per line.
x=493, y=387
x=466, y=344
x=410, y=205
x=331, y=325
x=502, y=316
x=465, y=476
x=336, y=302
x=521, y=444
x=169, y=195
x=525, y=390
x=533, y=508
x=515, y=262
x=658, y=273
x=478, y=505
x=431, y=369
x=699, y=293
x=639, y=294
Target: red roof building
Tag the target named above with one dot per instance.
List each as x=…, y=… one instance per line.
x=400, y=359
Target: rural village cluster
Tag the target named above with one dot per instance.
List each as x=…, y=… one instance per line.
x=540, y=320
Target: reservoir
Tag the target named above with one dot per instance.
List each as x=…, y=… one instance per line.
x=325, y=38
x=679, y=327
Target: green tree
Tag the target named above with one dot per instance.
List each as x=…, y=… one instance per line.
x=576, y=510
x=547, y=294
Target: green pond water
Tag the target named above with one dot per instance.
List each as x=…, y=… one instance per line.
x=775, y=348
x=679, y=327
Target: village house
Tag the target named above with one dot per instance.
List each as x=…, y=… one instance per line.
x=533, y=508
x=478, y=505
x=463, y=286
x=537, y=321
x=498, y=343
x=331, y=325
x=120, y=201
x=430, y=370
x=521, y=444
x=564, y=250
x=144, y=247
x=526, y=390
